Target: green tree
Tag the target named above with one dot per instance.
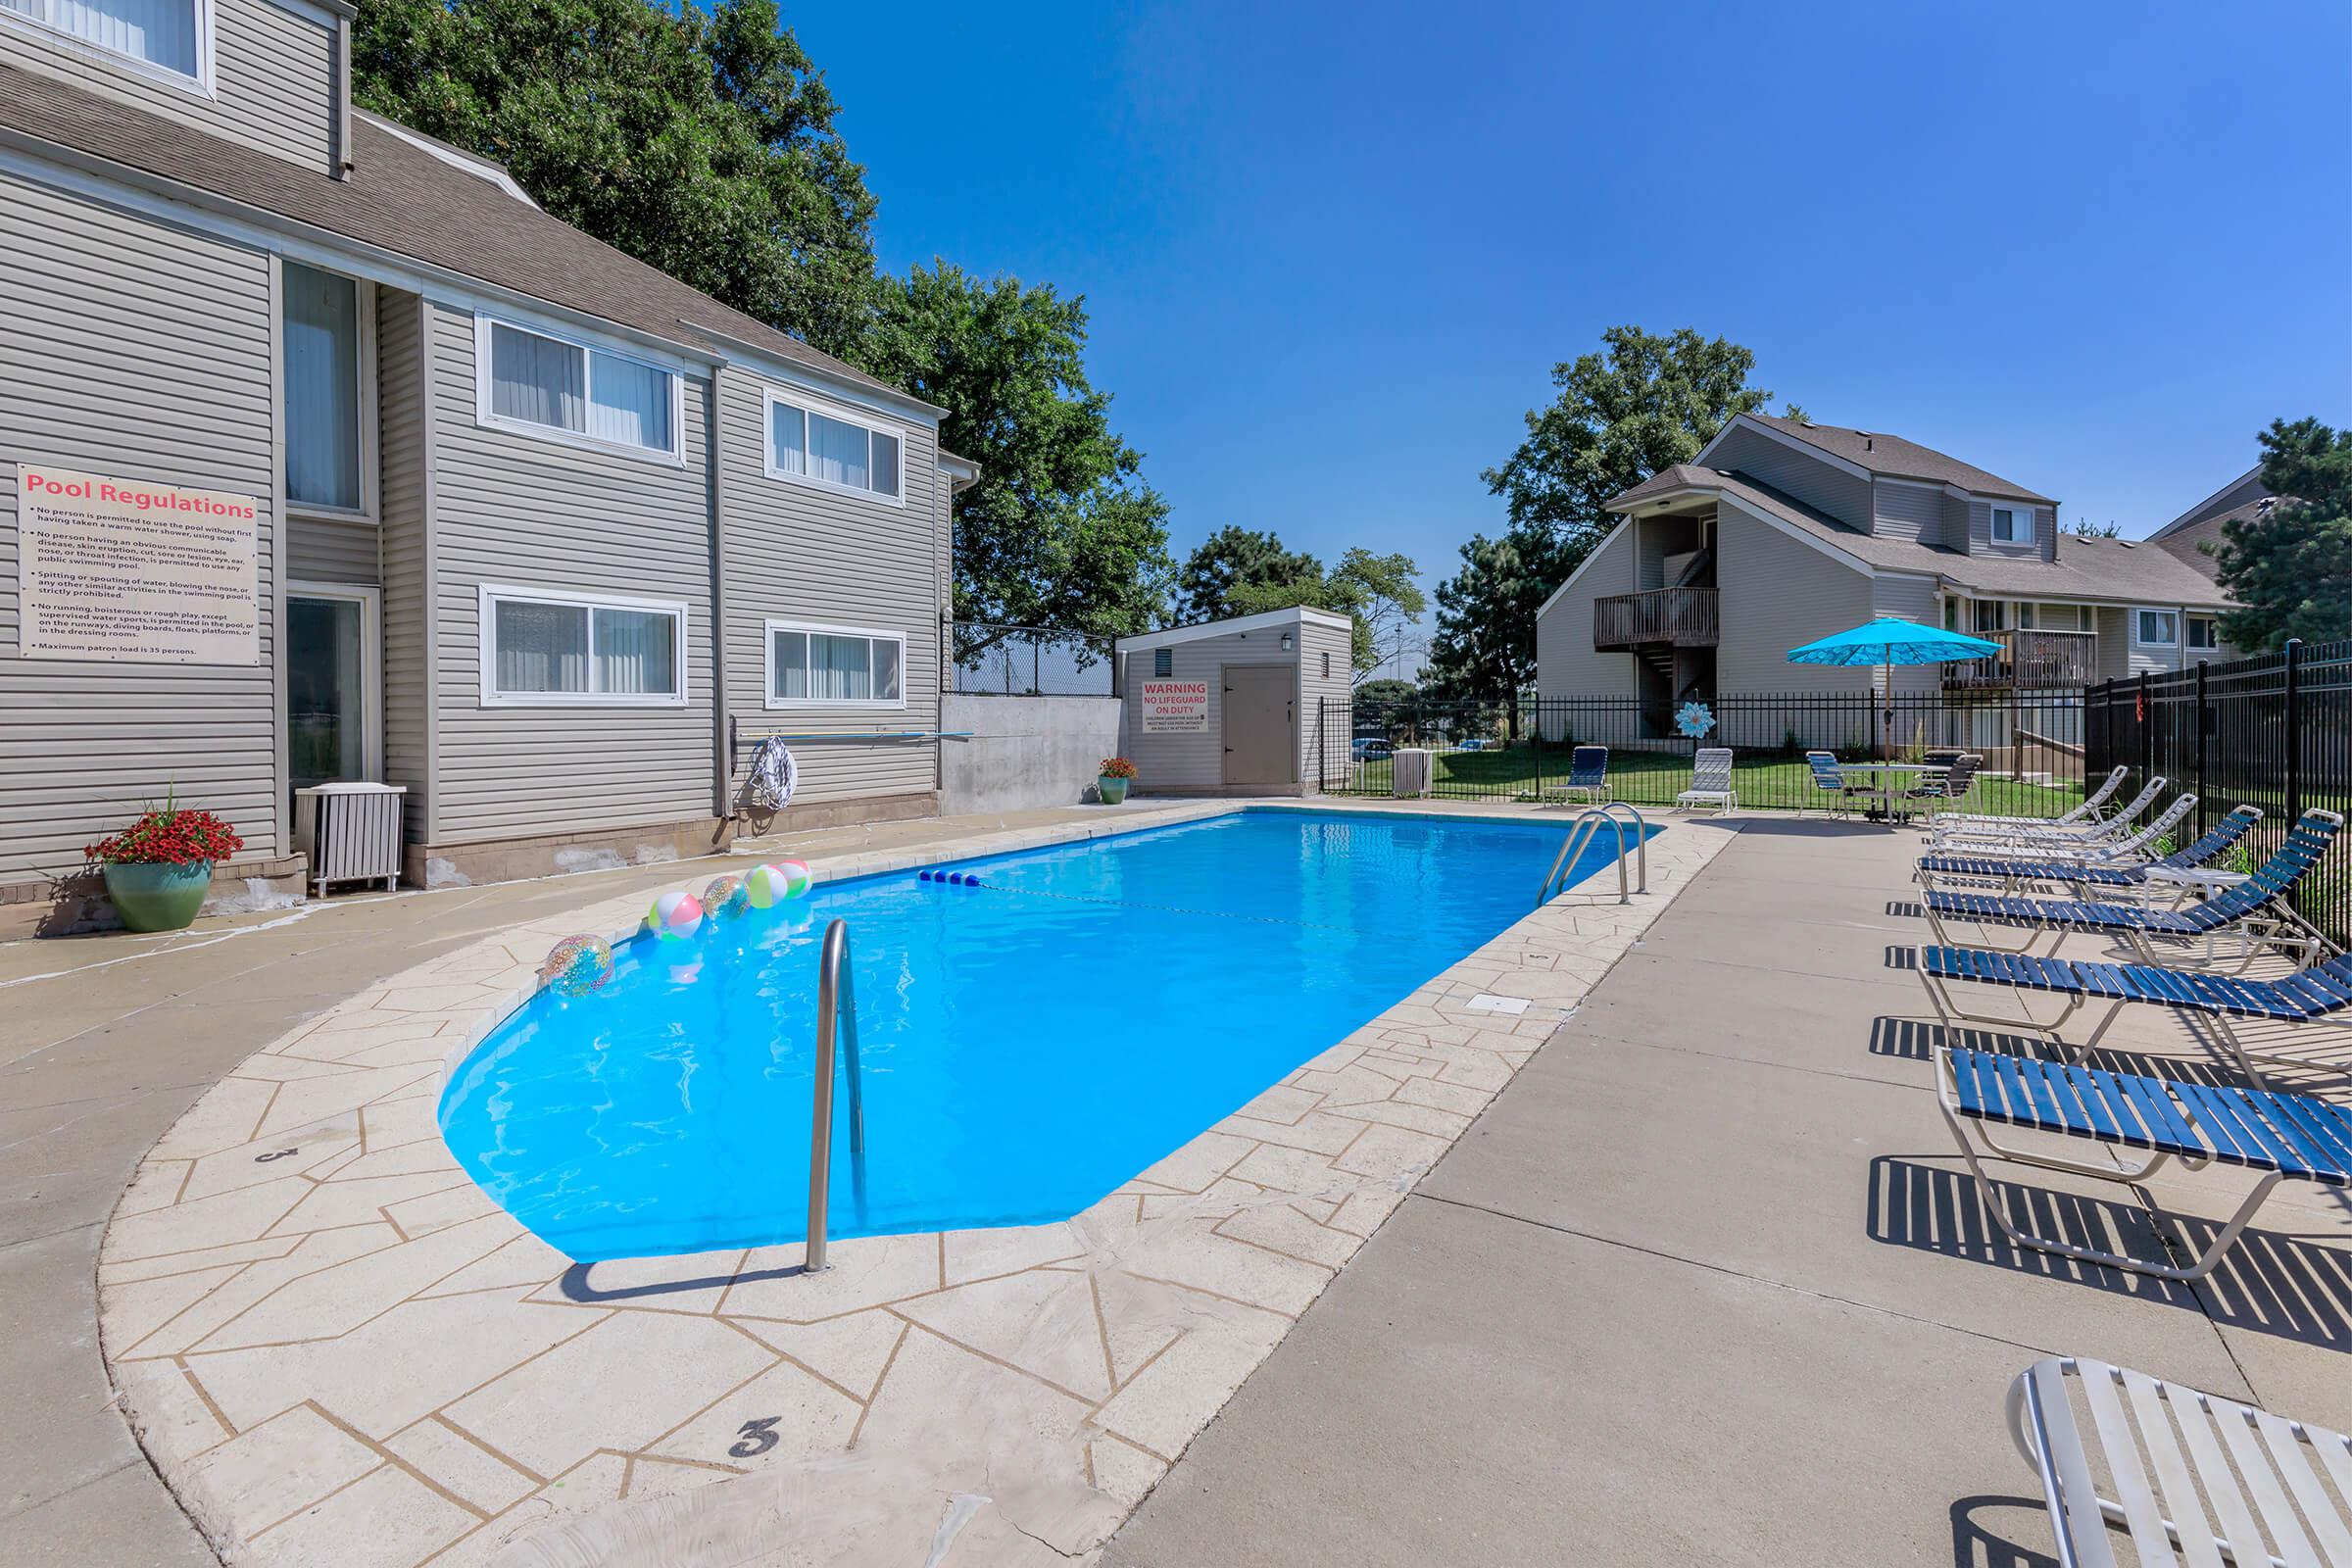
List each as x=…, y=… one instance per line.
x=1378, y=593
x=1060, y=530
x=1387, y=690
x=1485, y=647
x=1236, y=558
x=2291, y=568
x=2085, y=529
x=700, y=142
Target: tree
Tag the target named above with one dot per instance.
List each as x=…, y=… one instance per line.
x=1387, y=692
x=1485, y=648
x=1236, y=558
x=1377, y=593
x=1060, y=530
x=2085, y=529
x=700, y=142
x=2291, y=568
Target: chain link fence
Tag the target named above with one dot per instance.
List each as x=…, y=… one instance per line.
x=989, y=659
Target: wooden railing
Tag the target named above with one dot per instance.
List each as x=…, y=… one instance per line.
x=2031, y=661
x=1686, y=617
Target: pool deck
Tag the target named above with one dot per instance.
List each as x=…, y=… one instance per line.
x=1706, y=1283
x=324, y=1333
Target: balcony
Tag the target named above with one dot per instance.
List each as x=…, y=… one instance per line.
x=1679, y=617
x=2029, y=660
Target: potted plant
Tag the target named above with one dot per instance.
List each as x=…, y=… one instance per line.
x=1116, y=774
x=159, y=868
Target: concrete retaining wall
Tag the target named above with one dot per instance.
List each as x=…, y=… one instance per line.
x=1025, y=751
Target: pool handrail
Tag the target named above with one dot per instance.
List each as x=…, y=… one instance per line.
x=1587, y=828
x=836, y=1014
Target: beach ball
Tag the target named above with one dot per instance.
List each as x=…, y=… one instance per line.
x=767, y=886
x=796, y=878
x=577, y=965
x=675, y=915
x=726, y=896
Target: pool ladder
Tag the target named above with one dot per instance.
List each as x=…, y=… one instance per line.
x=1588, y=829
x=836, y=1017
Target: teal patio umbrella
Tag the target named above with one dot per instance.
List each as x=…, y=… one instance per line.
x=1890, y=641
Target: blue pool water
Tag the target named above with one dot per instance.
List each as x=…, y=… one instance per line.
x=1028, y=1045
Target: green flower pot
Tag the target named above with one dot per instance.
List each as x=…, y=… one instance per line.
x=1114, y=790
x=157, y=895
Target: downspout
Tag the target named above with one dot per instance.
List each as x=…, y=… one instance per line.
x=340, y=153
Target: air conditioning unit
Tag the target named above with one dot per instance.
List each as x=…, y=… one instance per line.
x=1409, y=772
x=351, y=833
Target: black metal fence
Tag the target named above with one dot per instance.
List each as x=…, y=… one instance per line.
x=989, y=659
x=2032, y=746
x=2273, y=732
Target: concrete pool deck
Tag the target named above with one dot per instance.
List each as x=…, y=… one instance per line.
x=322, y=1332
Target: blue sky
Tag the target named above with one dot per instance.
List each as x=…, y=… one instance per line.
x=1332, y=252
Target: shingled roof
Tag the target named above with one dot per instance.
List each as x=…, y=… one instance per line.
x=1899, y=459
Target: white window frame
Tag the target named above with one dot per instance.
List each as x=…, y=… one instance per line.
x=2137, y=641
x=491, y=594
x=829, y=705
x=371, y=507
x=805, y=405
x=371, y=600
x=200, y=85
x=2213, y=630
x=1993, y=523
x=673, y=458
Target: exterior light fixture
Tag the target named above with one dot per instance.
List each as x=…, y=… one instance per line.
x=1286, y=642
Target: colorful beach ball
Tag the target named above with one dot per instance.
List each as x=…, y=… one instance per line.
x=675, y=915
x=726, y=896
x=797, y=876
x=771, y=885
x=577, y=965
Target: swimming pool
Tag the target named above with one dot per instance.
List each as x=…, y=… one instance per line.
x=1027, y=1044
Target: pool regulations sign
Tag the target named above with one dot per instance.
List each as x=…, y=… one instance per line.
x=126, y=571
x=1175, y=707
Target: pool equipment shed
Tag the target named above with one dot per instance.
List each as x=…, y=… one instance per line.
x=1232, y=706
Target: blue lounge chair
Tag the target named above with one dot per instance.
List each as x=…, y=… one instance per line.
x=1587, y=776
x=2121, y=871
x=1828, y=779
x=2322, y=994
x=2256, y=911
x=2284, y=1137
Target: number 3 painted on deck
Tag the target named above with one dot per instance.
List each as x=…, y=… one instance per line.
x=755, y=1438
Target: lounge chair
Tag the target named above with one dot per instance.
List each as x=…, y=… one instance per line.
x=2322, y=994
x=2086, y=811
x=1828, y=779
x=2255, y=911
x=2237, y=1499
x=1957, y=831
x=2284, y=1137
x=1711, y=780
x=1952, y=784
x=2110, y=865
x=1587, y=776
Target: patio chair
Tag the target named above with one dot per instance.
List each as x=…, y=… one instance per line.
x=2155, y=1443
x=2086, y=811
x=1711, y=780
x=2321, y=994
x=1960, y=774
x=2256, y=911
x=1955, y=829
x=2106, y=866
x=2283, y=1136
x=1587, y=776
x=1828, y=779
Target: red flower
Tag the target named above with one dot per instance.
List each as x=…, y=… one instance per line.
x=169, y=836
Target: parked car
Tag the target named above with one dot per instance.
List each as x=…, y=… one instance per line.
x=1370, y=746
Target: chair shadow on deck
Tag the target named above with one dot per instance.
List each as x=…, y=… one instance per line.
x=2281, y=1283
x=1976, y=1546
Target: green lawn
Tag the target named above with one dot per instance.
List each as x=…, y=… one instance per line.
x=1654, y=779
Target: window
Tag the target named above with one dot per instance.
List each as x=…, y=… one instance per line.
x=2024, y=616
x=528, y=380
x=1163, y=663
x=1993, y=614
x=172, y=39
x=2156, y=628
x=818, y=448
x=324, y=379
x=550, y=648
x=1327, y=667
x=2012, y=525
x=1951, y=614
x=834, y=666
x=2201, y=632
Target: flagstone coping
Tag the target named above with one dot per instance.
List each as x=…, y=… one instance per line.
x=335, y=1347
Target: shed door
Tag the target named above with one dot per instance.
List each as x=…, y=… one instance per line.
x=1262, y=724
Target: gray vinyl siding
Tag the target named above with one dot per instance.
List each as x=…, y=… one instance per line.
x=798, y=552
x=158, y=372
x=2115, y=644
x=1777, y=593
x=1326, y=725
x=1181, y=761
x=1908, y=511
x=336, y=549
x=1815, y=480
x=1566, y=665
x=1912, y=599
x=273, y=80
x=512, y=508
x=405, y=553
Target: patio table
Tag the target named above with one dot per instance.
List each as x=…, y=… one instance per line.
x=1890, y=776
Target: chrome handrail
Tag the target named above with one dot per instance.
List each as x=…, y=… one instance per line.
x=1587, y=828
x=836, y=1013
